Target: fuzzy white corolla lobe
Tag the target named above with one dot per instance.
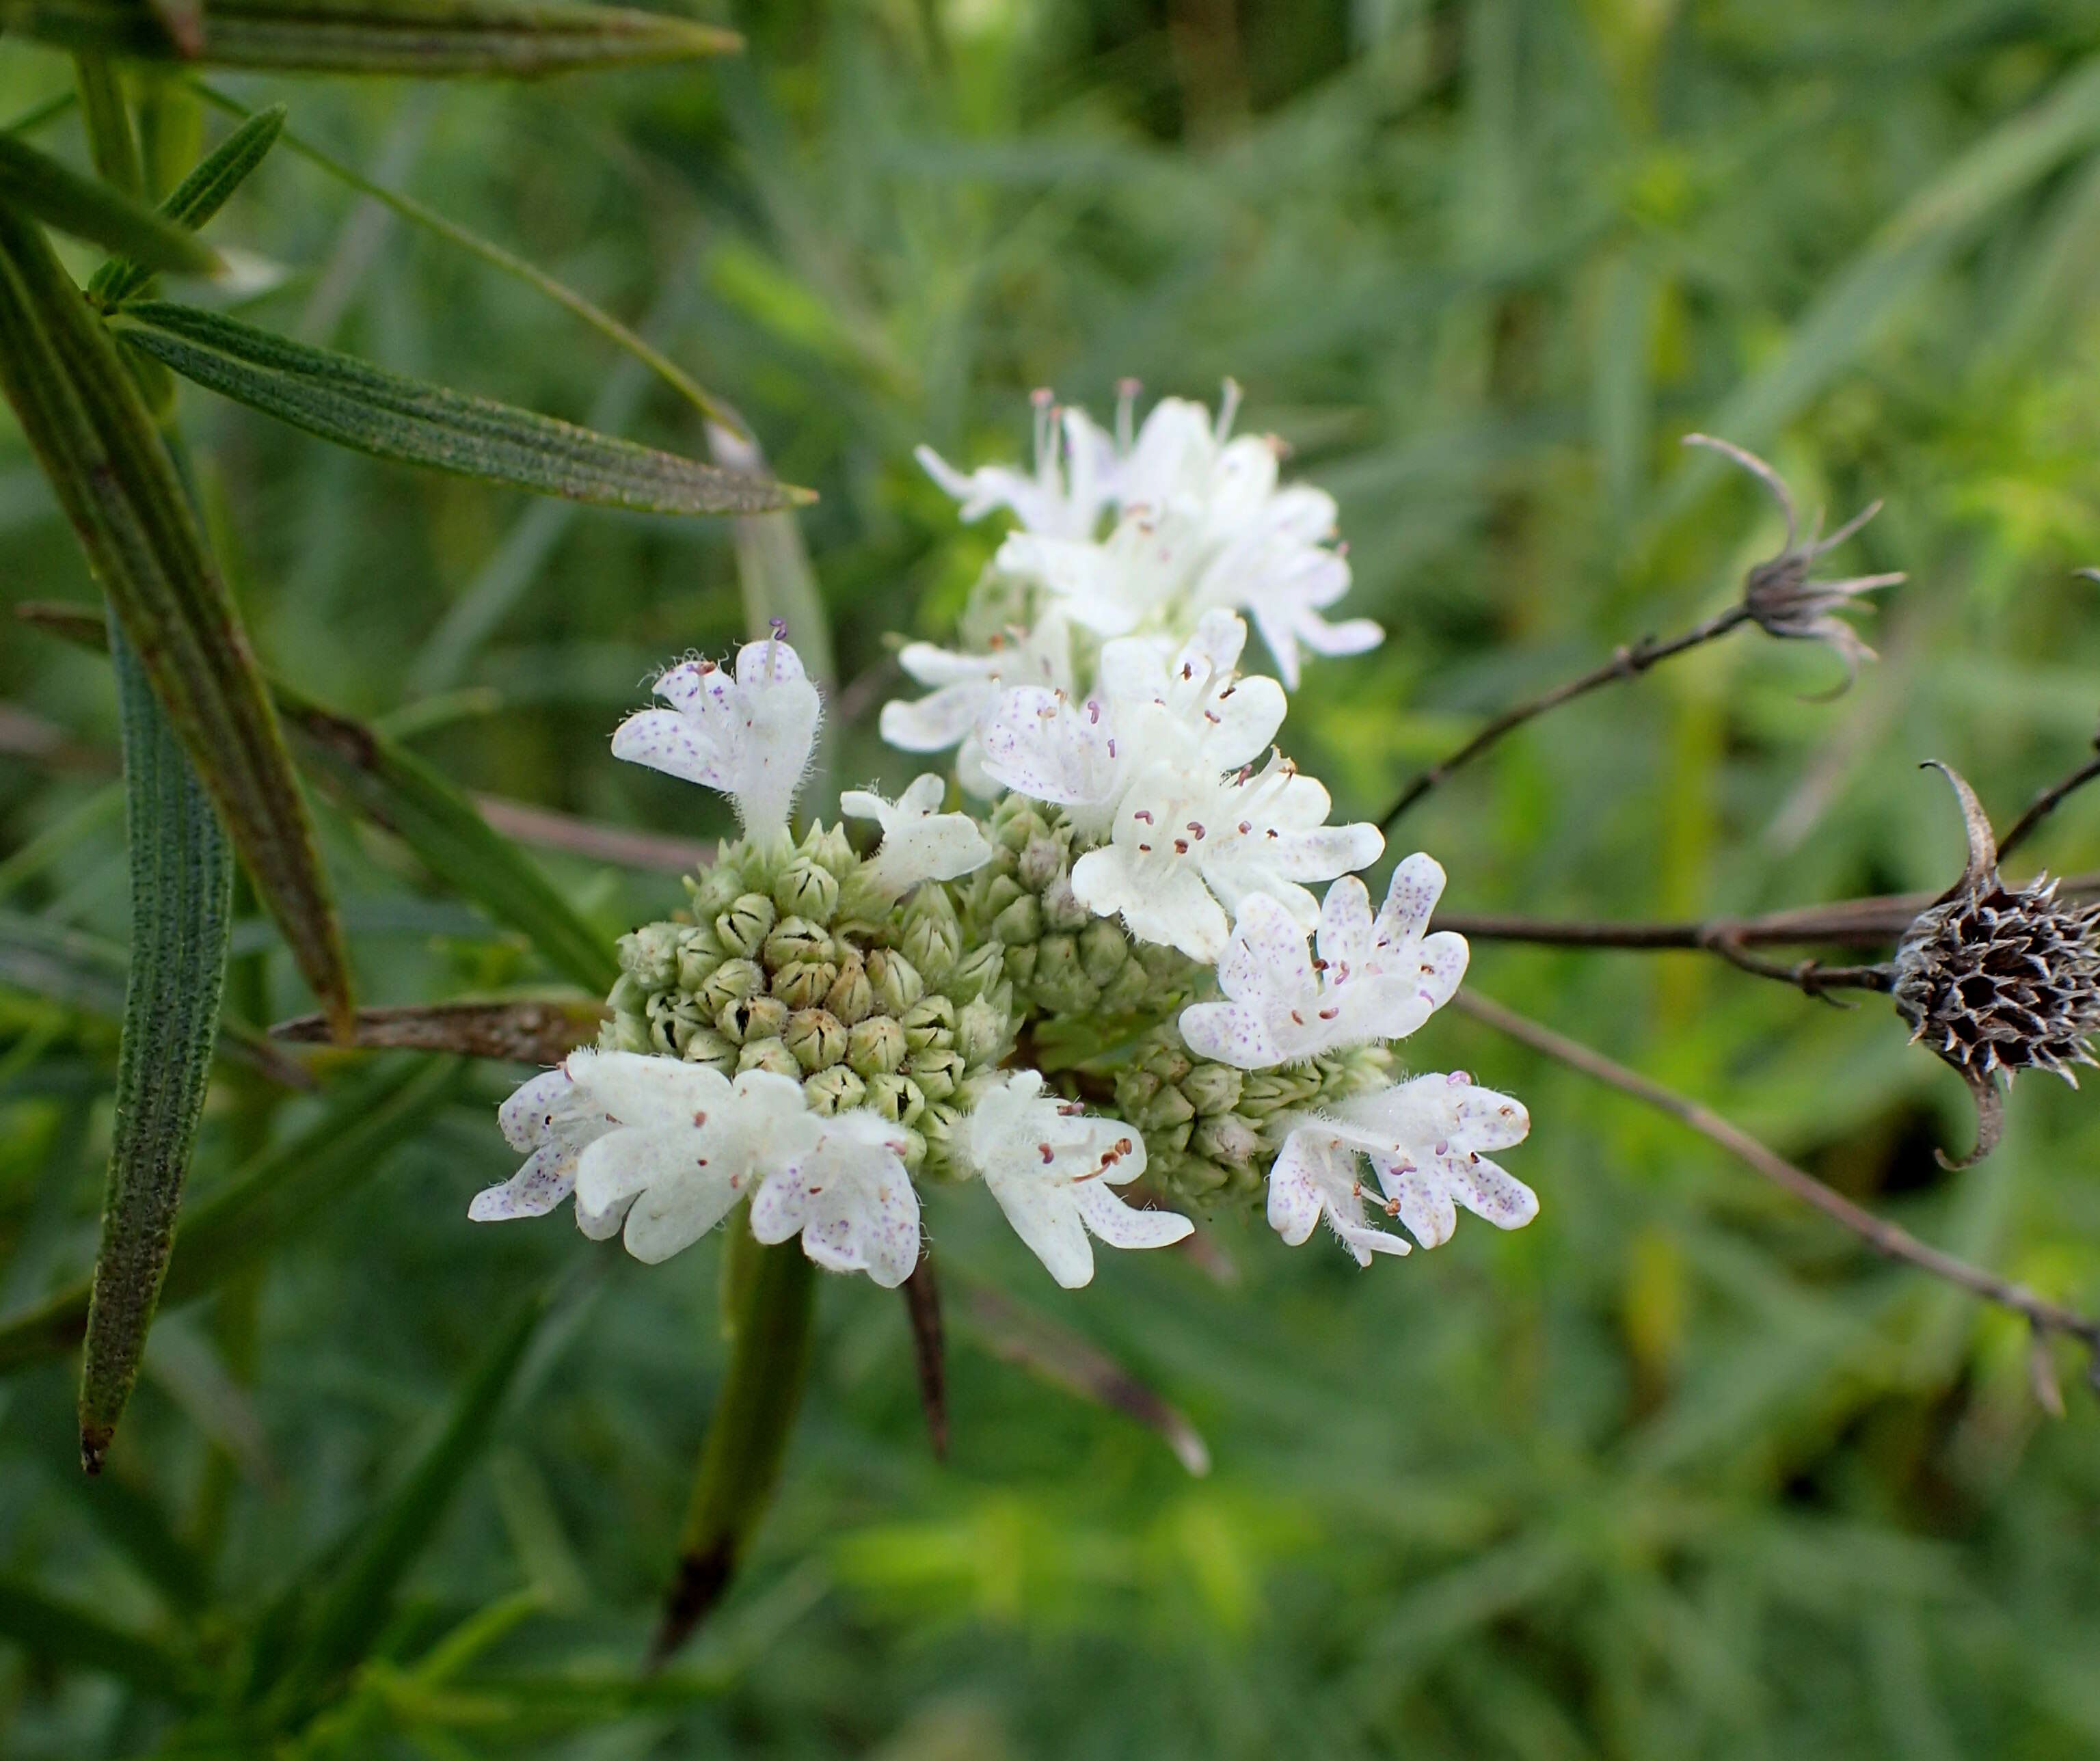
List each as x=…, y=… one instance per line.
x=1371, y=979
x=1052, y=1166
x=919, y=842
x=749, y=735
x=1426, y=1141
x=964, y=692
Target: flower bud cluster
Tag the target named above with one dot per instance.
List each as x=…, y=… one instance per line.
x=1213, y=1130
x=881, y=1008
x=1060, y=959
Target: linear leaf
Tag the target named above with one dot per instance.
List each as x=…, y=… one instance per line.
x=518, y=1029
x=427, y=37
x=265, y=1202
x=356, y=1605
x=89, y=209
x=88, y=972
x=370, y=410
x=181, y=916
x=391, y=786
x=193, y=201
x=93, y=437
x=46, y=1627
x=381, y=779
x=422, y=214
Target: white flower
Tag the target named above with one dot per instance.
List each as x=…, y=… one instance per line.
x=1189, y=711
x=919, y=842
x=850, y=1199
x=1186, y=850
x=1425, y=1140
x=1203, y=525
x=1067, y=506
x=749, y=736
x=1371, y=980
x=690, y=1143
x=1051, y=1167
x=550, y=1117
x=964, y=691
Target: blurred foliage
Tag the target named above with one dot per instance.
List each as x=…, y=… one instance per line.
x=1677, y=1470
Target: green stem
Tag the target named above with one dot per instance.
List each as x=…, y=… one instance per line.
x=747, y=1442
x=110, y=142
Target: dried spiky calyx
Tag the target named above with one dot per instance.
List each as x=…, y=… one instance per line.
x=1996, y=978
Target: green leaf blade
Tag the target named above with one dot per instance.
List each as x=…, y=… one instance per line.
x=96, y=442
x=516, y=39
x=182, y=922
x=370, y=410
x=64, y=1633
x=86, y=209
x=193, y=202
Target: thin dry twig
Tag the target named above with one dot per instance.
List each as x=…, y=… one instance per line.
x=1888, y=1239
x=929, y=1351
x=2048, y=801
x=545, y=829
x=518, y=1029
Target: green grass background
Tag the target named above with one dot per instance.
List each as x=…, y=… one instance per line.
x=1677, y=1472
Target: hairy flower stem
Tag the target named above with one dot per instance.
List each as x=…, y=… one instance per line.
x=1886, y=1238
x=1629, y=663
x=746, y=1440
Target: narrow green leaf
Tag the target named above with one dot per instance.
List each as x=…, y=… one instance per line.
x=377, y=778
x=182, y=916
x=60, y=196
x=96, y=441
x=110, y=141
x=391, y=786
x=193, y=201
x=88, y=972
x=421, y=214
x=370, y=410
x=427, y=37
x=747, y=1440
x=357, y=1604
x=264, y=1202
x=64, y=1633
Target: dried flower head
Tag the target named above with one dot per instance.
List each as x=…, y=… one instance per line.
x=1778, y=596
x=1999, y=979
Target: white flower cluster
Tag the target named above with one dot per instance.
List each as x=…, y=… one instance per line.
x=1118, y=705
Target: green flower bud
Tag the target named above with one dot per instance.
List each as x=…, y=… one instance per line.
x=1020, y=923
x=1059, y=982
x=703, y=1045
x=877, y=1045
x=982, y=967
x=770, y=1054
x=1104, y=950
x=745, y=925
x=830, y=851
x=1266, y=1092
x=730, y=982
x=700, y=952
x=834, y=1090
x=717, y=889
x=804, y=984
x=851, y=997
x=937, y=1072
x=650, y=956
x=939, y=1124
x=1015, y=821
x=932, y=937
x=817, y=1039
x=896, y=1098
x=1227, y=1138
x=1041, y=861
x=1061, y=909
x=898, y=984
x=797, y=938
x=1000, y=891
x=1131, y=990
x=625, y=1032
x=1212, y=1088
x=748, y=1018
x=1185, y=1176
x=929, y=1024
x=806, y=889
x=984, y=1030
x=626, y=997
